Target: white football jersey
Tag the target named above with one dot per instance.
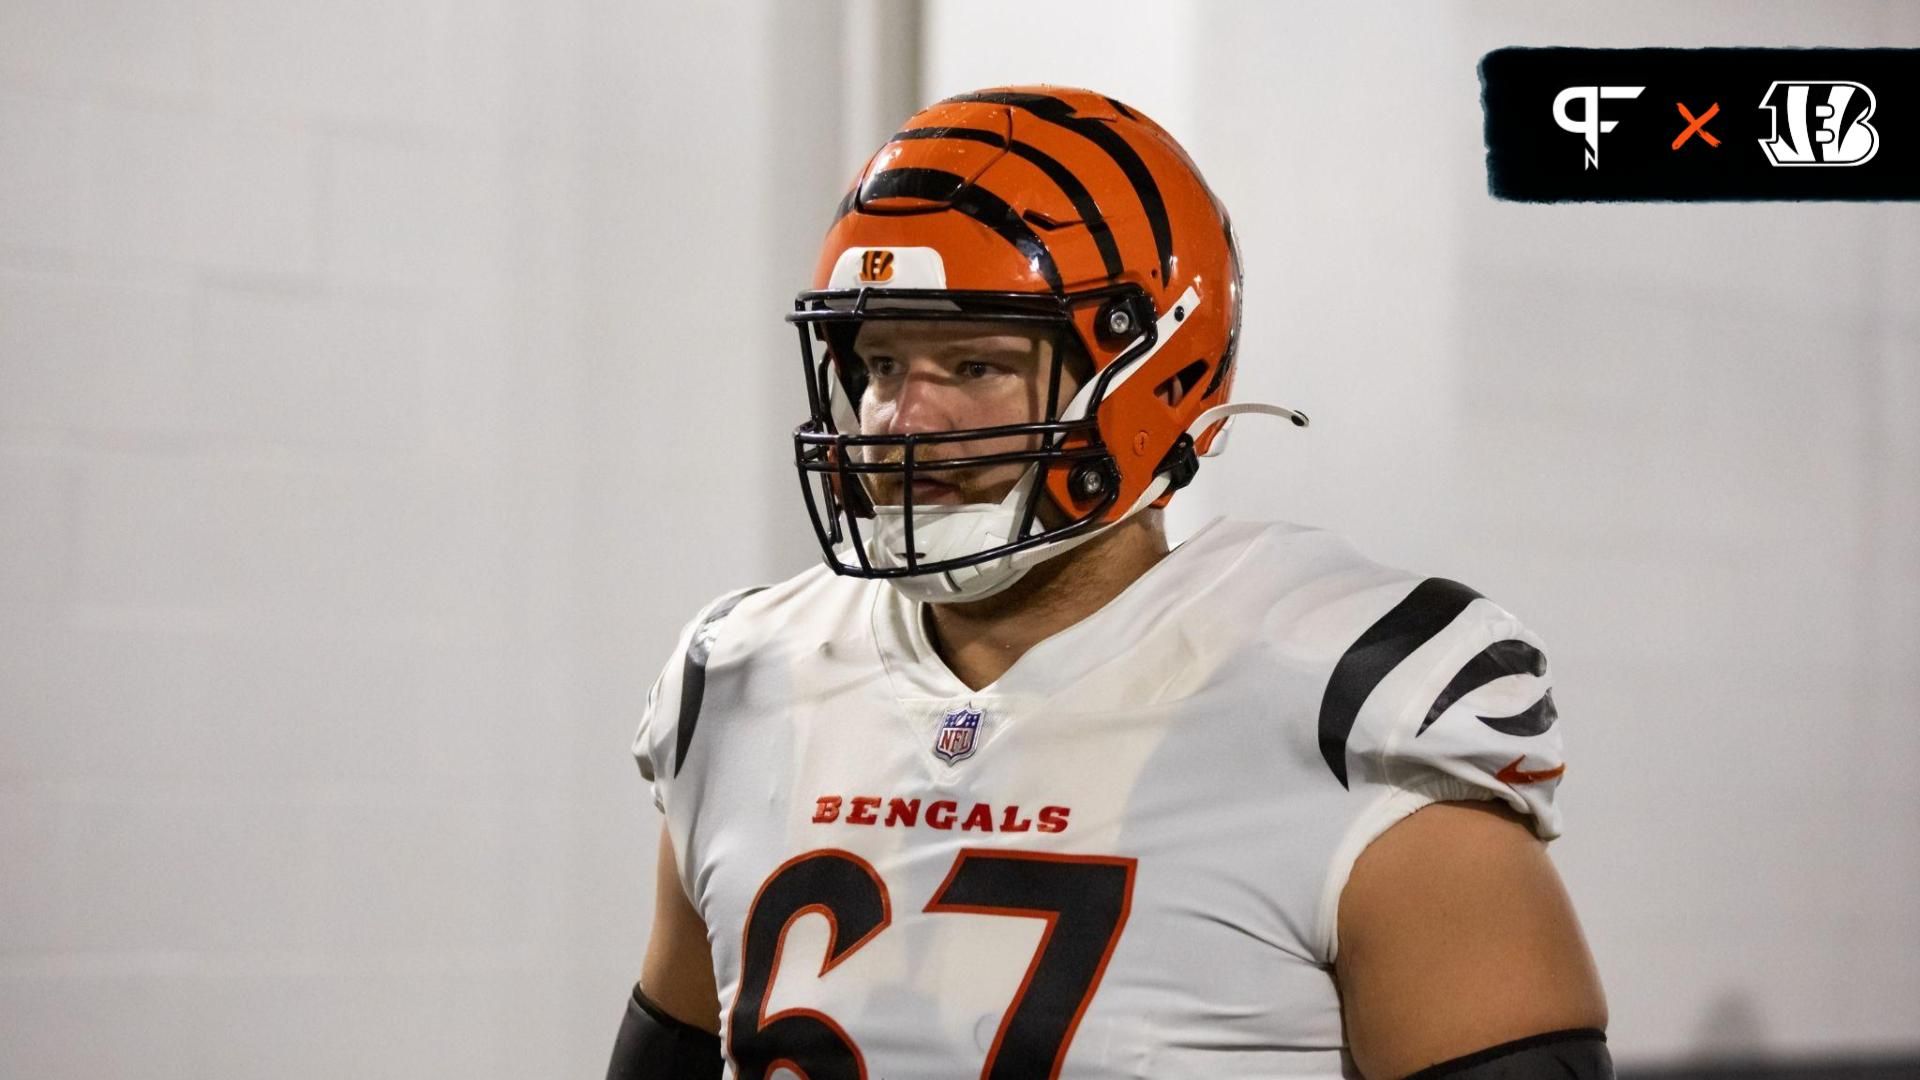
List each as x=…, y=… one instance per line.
x=1122, y=859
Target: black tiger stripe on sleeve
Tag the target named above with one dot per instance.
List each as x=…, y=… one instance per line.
x=693, y=674
x=1497, y=661
x=1414, y=621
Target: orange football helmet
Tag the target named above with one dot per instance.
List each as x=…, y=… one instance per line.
x=1033, y=205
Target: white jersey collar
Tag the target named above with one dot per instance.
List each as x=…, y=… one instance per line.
x=917, y=671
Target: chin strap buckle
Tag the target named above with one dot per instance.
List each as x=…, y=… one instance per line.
x=1180, y=464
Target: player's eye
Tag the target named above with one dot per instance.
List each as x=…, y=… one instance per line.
x=975, y=369
x=882, y=367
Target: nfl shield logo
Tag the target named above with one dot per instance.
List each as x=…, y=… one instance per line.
x=957, y=731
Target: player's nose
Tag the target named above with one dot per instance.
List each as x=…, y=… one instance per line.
x=925, y=402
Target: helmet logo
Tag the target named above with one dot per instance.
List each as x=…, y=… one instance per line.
x=876, y=266
x=891, y=267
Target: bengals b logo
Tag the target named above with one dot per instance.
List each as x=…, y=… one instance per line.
x=876, y=266
x=1820, y=123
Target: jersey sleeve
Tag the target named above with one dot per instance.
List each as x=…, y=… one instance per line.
x=673, y=703
x=1451, y=699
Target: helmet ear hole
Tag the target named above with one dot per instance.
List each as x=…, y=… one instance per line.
x=1177, y=386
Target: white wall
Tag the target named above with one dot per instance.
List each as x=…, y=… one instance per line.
x=382, y=384
x=343, y=353
x=1679, y=440
x=1719, y=511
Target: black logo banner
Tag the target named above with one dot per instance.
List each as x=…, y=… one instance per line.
x=1595, y=125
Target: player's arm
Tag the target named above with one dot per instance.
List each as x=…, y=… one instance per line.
x=1456, y=937
x=672, y=1023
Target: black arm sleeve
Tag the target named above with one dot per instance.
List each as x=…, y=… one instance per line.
x=655, y=1046
x=1574, y=1054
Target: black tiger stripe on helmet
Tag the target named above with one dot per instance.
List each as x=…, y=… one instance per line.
x=1063, y=177
x=945, y=190
x=1055, y=111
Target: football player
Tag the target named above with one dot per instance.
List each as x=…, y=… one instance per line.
x=1008, y=788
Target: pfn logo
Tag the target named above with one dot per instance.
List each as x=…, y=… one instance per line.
x=1589, y=124
x=876, y=266
x=1826, y=124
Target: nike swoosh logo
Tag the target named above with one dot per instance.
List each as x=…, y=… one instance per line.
x=1512, y=773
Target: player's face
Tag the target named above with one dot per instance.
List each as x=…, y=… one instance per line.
x=947, y=376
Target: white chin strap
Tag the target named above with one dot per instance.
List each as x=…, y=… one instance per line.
x=951, y=532
x=1237, y=408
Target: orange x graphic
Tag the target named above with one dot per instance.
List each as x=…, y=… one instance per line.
x=1699, y=125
